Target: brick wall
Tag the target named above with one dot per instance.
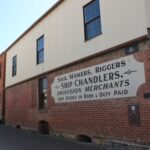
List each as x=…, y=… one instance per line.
x=101, y=119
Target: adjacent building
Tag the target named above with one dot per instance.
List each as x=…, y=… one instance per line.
x=2, y=86
x=83, y=70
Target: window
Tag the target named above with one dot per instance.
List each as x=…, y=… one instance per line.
x=92, y=20
x=40, y=50
x=132, y=49
x=43, y=93
x=14, y=66
x=134, y=114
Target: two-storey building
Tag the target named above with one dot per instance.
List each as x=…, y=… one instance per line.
x=83, y=70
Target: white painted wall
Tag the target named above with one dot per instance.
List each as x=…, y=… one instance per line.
x=148, y=12
x=64, y=36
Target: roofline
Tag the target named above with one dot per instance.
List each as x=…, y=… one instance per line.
x=34, y=24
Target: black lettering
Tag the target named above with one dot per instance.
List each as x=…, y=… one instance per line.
x=113, y=65
x=127, y=83
x=117, y=64
x=120, y=92
x=105, y=77
x=111, y=76
x=121, y=83
x=110, y=85
x=97, y=70
x=90, y=80
x=123, y=63
x=109, y=67
x=116, y=85
x=95, y=79
x=105, y=86
x=76, y=83
x=88, y=72
x=104, y=68
x=117, y=75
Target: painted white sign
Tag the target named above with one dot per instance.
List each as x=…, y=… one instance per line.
x=114, y=79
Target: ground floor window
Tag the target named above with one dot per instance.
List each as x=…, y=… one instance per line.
x=43, y=93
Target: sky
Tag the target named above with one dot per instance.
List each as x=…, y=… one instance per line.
x=17, y=15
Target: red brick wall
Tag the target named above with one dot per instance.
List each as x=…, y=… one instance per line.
x=2, y=79
x=101, y=118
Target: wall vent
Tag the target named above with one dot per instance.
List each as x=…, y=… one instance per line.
x=84, y=138
x=43, y=127
x=132, y=49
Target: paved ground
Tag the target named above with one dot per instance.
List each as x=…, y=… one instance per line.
x=16, y=139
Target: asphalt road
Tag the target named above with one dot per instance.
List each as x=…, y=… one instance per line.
x=17, y=139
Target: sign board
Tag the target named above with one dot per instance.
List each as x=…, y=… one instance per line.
x=115, y=79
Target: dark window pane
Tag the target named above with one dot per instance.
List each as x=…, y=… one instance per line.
x=14, y=61
x=40, y=50
x=91, y=11
x=93, y=29
x=40, y=56
x=14, y=65
x=92, y=20
x=132, y=49
x=43, y=93
x=45, y=83
x=40, y=44
x=134, y=114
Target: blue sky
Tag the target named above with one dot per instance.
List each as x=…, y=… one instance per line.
x=17, y=15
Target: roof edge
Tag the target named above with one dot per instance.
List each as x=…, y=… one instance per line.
x=34, y=24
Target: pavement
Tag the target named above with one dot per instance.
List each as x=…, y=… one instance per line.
x=18, y=139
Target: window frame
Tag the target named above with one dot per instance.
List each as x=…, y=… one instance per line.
x=42, y=106
x=85, y=24
x=39, y=51
x=14, y=66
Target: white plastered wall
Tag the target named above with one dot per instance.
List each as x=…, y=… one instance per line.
x=148, y=12
x=63, y=29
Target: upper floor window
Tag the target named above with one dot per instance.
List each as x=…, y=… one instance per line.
x=43, y=84
x=14, y=66
x=92, y=20
x=40, y=50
